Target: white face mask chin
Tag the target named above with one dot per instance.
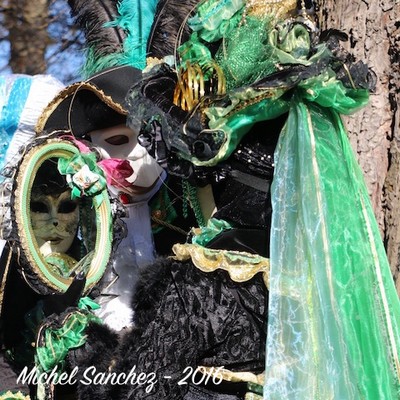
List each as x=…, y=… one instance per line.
x=121, y=142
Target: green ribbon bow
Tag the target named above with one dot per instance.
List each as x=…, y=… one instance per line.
x=84, y=176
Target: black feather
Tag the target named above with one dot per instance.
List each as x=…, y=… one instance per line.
x=90, y=16
x=170, y=18
x=100, y=351
x=149, y=291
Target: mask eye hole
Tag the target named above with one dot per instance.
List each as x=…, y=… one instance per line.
x=66, y=207
x=39, y=207
x=117, y=140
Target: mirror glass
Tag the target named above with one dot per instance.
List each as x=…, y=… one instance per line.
x=60, y=236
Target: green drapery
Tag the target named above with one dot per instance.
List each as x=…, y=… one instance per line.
x=334, y=314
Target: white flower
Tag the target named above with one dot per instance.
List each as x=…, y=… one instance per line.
x=85, y=178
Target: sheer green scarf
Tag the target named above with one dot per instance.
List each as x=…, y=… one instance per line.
x=334, y=314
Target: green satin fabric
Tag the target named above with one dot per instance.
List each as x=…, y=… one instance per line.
x=214, y=228
x=235, y=126
x=334, y=314
x=249, y=52
x=236, y=119
x=215, y=19
x=292, y=44
x=327, y=91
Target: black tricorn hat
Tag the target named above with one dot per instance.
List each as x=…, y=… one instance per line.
x=95, y=103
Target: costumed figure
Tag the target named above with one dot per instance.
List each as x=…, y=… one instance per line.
x=59, y=232
x=256, y=96
x=333, y=313
x=94, y=110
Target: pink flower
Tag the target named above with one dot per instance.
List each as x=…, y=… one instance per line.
x=116, y=171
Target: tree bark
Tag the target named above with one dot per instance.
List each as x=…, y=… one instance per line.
x=373, y=29
x=27, y=22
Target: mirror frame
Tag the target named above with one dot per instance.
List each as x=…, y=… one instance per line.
x=37, y=274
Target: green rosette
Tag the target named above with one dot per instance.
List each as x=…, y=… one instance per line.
x=86, y=177
x=214, y=228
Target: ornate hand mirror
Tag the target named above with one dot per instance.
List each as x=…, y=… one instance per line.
x=64, y=225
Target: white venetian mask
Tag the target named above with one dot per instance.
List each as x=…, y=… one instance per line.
x=54, y=221
x=121, y=142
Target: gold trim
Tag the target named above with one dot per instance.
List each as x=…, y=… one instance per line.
x=241, y=266
x=278, y=8
x=12, y=395
x=268, y=93
x=389, y=325
x=72, y=90
x=324, y=236
x=328, y=263
x=230, y=376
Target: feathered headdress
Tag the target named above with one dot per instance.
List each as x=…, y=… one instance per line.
x=126, y=32
x=116, y=32
x=119, y=38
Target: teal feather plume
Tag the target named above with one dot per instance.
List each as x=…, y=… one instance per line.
x=136, y=19
x=116, y=32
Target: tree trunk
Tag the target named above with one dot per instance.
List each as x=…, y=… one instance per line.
x=374, y=132
x=27, y=22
